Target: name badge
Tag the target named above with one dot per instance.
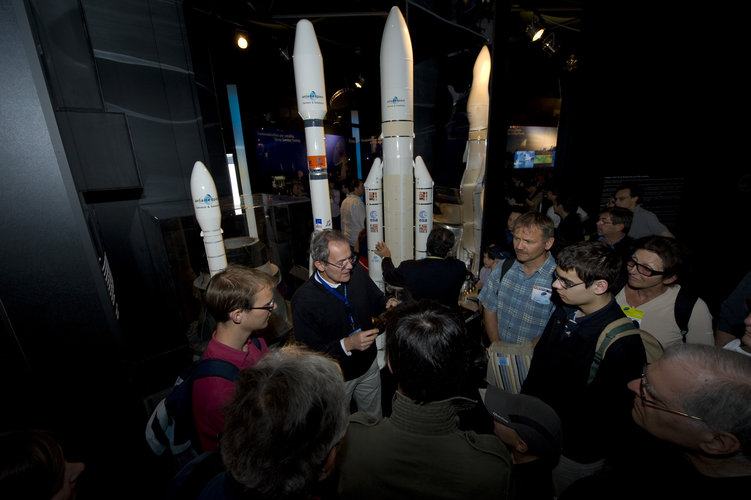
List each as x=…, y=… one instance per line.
x=541, y=295
x=634, y=314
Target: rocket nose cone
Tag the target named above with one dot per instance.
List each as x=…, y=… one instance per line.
x=201, y=181
x=481, y=69
x=305, y=39
x=199, y=169
x=395, y=22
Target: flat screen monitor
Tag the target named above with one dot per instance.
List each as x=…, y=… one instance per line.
x=532, y=147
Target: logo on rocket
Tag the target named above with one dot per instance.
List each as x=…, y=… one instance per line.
x=395, y=102
x=207, y=200
x=313, y=96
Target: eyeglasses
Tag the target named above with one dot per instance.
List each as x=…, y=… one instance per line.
x=642, y=269
x=343, y=263
x=269, y=307
x=565, y=284
x=653, y=404
x=604, y=221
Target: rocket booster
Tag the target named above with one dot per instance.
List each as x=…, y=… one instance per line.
x=374, y=219
x=400, y=214
x=209, y=216
x=473, y=179
x=311, y=104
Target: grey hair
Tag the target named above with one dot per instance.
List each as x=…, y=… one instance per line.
x=723, y=388
x=319, y=243
x=287, y=413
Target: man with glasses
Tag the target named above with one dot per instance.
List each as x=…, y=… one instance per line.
x=645, y=223
x=563, y=357
x=613, y=226
x=240, y=300
x=652, y=290
x=332, y=313
x=695, y=405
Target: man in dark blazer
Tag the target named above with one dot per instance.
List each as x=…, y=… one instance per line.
x=438, y=276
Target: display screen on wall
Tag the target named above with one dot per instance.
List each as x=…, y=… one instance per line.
x=283, y=152
x=532, y=147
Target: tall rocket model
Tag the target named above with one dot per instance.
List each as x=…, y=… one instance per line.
x=209, y=216
x=398, y=200
x=311, y=104
x=473, y=180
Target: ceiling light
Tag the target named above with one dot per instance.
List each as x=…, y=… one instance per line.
x=241, y=38
x=548, y=44
x=535, y=30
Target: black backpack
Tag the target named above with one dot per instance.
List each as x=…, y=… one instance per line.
x=684, y=305
x=171, y=427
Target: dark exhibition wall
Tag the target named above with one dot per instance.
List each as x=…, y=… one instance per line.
x=106, y=106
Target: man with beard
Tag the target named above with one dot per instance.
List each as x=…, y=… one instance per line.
x=517, y=301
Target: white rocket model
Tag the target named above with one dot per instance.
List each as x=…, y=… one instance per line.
x=473, y=180
x=209, y=216
x=407, y=195
x=311, y=104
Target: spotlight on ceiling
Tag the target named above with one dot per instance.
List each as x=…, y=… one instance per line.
x=548, y=44
x=535, y=29
x=241, y=39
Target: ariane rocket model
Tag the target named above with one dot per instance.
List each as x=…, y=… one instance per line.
x=209, y=216
x=473, y=179
x=398, y=190
x=311, y=104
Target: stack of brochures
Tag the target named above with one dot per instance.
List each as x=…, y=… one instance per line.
x=508, y=365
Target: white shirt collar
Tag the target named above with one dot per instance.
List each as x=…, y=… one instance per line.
x=320, y=279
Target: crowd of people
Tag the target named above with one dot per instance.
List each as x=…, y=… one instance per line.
x=633, y=390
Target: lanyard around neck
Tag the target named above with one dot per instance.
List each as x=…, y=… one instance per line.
x=341, y=297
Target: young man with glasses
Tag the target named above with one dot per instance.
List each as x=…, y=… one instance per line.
x=650, y=294
x=332, y=313
x=595, y=416
x=240, y=300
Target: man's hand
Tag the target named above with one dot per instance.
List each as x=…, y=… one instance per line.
x=382, y=250
x=392, y=302
x=361, y=340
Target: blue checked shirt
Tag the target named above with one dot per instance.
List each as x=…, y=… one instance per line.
x=523, y=303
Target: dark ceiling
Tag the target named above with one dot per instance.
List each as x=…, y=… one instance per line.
x=446, y=38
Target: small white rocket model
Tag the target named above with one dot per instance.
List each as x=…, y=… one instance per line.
x=311, y=104
x=209, y=216
x=473, y=180
x=396, y=206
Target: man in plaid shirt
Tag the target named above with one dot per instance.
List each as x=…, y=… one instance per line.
x=518, y=305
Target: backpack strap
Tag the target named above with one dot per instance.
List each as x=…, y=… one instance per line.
x=684, y=306
x=214, y=367
x=507, y=263
x=606, y=337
